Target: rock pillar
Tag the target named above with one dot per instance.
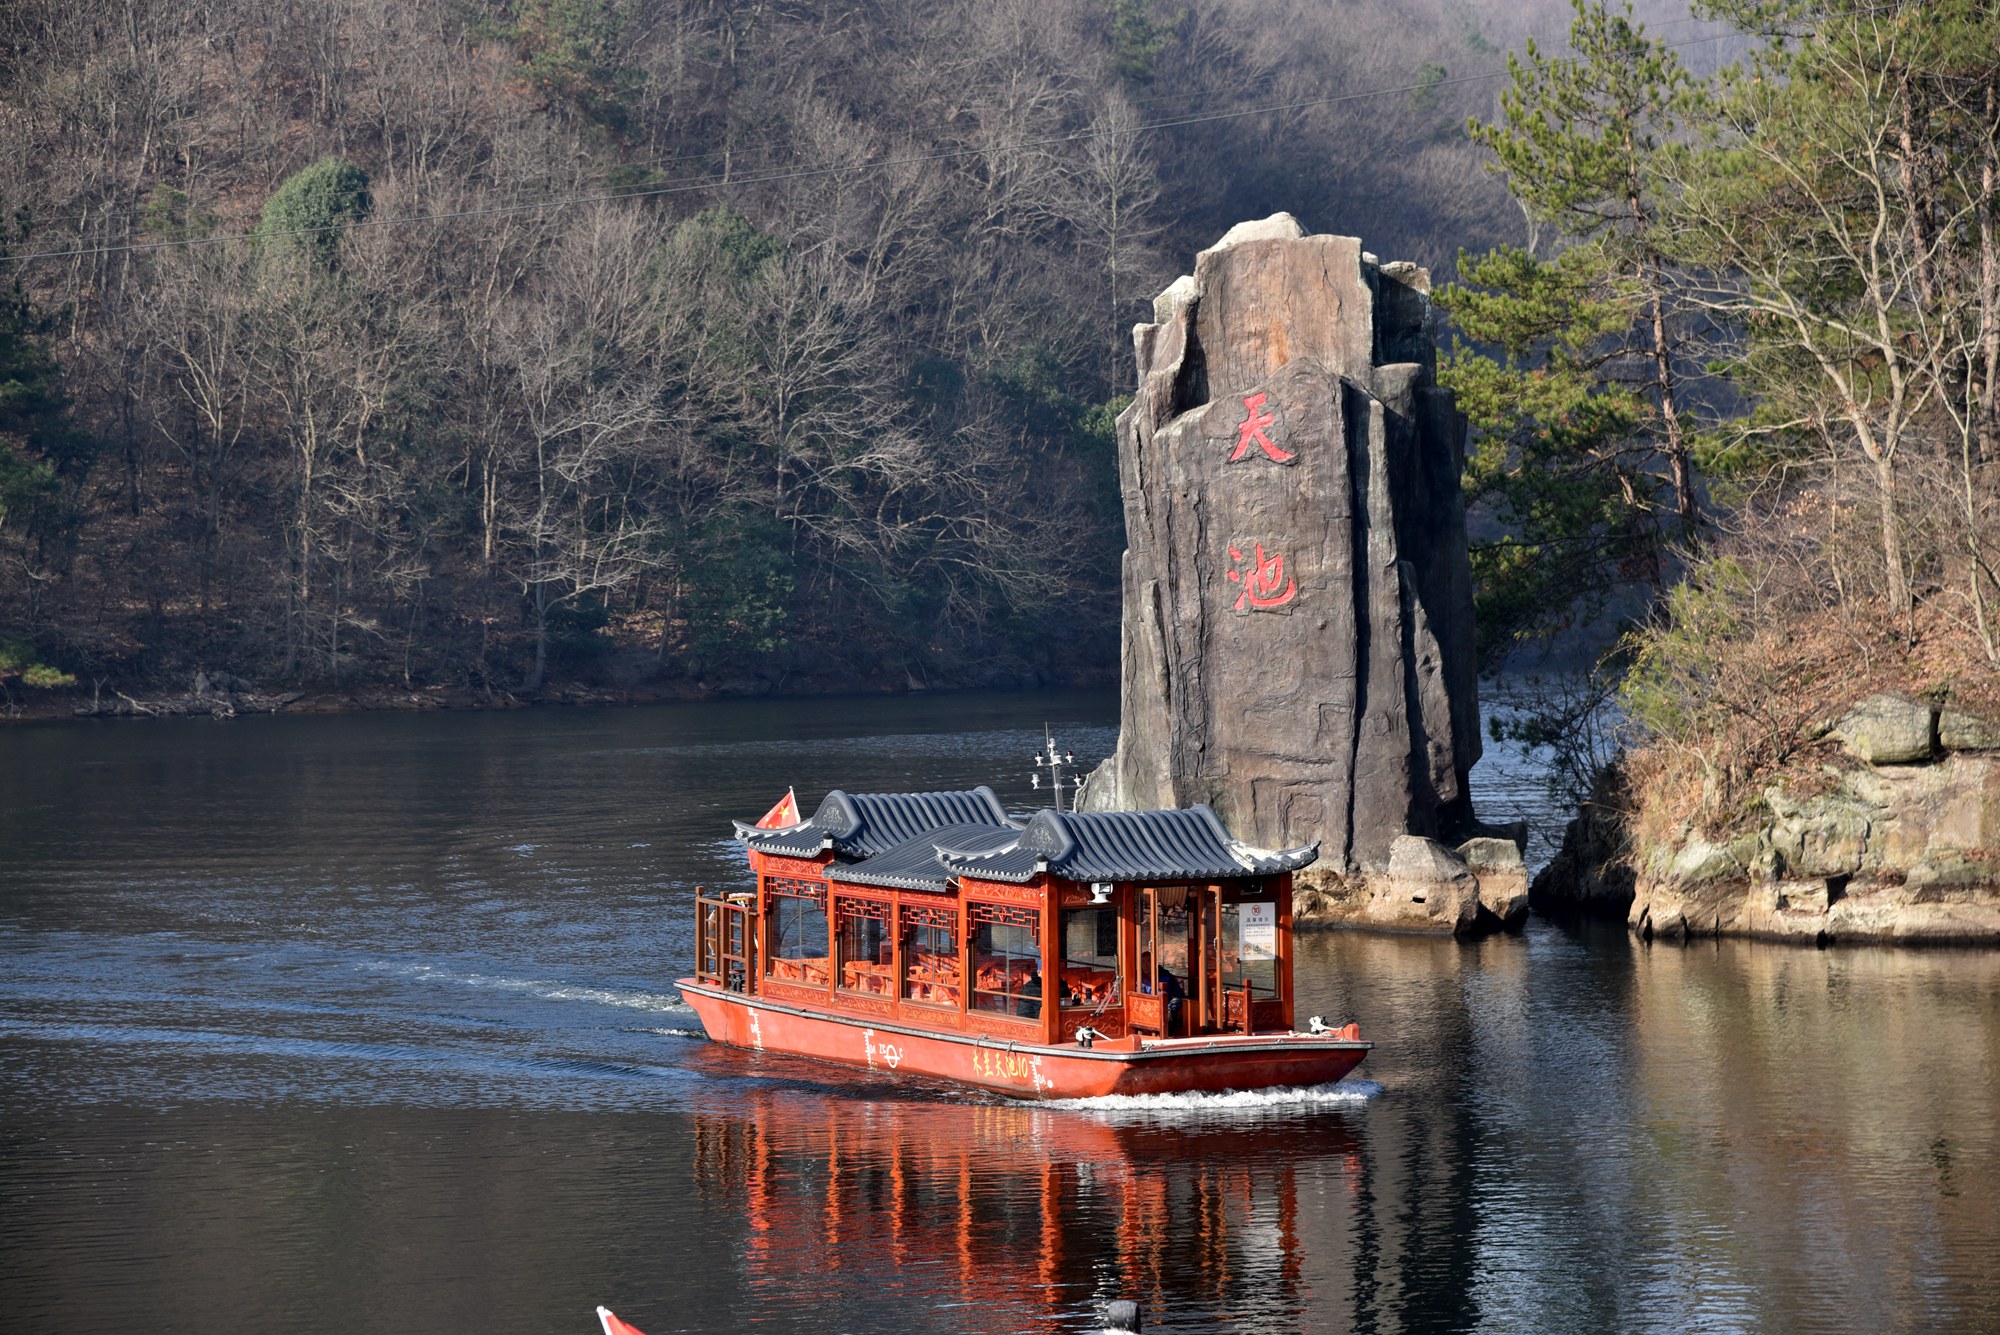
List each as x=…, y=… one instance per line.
x=1298, y=639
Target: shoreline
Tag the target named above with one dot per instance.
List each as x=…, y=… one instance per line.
x=75, y=706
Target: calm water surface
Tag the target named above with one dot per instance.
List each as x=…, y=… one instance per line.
x=366, y=1024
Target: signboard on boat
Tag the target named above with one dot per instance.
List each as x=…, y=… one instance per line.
x=1260, y=931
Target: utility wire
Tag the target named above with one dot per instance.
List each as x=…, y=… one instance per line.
x=794, y=174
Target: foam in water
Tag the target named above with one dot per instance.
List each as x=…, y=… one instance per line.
x=1344, y=1093
x=550, y=990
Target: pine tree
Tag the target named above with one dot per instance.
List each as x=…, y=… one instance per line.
x=1584, y=445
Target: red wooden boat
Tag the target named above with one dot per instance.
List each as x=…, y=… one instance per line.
x=1075, y=955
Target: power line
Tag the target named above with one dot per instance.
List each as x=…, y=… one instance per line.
x=766, y=178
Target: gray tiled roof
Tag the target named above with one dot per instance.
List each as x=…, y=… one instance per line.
x=914, y=865
x=860, y=825
x=1182, y=845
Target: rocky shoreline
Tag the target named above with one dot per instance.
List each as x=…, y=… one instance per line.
x=1897, y=844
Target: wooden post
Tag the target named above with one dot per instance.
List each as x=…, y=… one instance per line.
x=1284, y=967
x=1051, y=928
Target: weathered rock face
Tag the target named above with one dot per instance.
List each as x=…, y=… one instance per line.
x=1298, y=638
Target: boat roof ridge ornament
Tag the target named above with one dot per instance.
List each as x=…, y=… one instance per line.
x=1048, y=835
x=837, y=815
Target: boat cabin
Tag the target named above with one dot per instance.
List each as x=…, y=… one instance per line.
x=939, y=911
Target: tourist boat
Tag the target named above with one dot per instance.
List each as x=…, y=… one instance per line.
x=1073, y=955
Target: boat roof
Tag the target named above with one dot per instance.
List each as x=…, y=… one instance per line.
x=863, y=825
x=1180, y=845
x=919, y=841
x=914, y=865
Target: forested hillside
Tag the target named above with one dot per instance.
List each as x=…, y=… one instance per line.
x=731, y=345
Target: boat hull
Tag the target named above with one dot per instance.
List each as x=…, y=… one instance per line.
x=1209, y=1064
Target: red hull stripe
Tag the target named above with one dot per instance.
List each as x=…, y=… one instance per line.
x=1174, y=1066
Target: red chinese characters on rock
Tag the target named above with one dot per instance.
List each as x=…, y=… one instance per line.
x=1265, y=584
x=1251, y=431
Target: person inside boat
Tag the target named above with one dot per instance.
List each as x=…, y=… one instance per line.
x=1167, y=985
x=1028, y=997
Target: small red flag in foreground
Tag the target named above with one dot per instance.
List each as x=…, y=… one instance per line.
x=613, y=1326
x=783, y=815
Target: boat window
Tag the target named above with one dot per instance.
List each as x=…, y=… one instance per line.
x=865, y=960
x=1090, y=956
x=1163, y=939
x=930, y=955
x=796, y=951
x=1250, y=947
x=1006, y=960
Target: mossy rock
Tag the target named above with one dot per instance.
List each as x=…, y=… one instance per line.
x=1960, y=731
x=1700, y=860
x=1889, y=729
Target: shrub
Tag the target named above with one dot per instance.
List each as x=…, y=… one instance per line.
x=307, y=214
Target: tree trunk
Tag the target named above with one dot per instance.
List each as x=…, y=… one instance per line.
x=1895, y=576
x=1989, y=282
x=539, y=671
x=1670, y=418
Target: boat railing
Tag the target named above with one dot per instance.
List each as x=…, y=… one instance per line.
x=1239, y=1005
x=725, y=939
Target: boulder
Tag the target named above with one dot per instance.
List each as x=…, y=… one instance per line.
x=1277, y=227
x=1948, y=875
x=1960, y=731
x=1297, y=635
x=1503, y=879
x=1425, y=887
x=1889, y=729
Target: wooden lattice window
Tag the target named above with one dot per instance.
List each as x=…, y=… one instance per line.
x=786, y=885
x=796, y=947
x=862, y=946
x=1006, y=959
x=930, y=955
x=1089, y=939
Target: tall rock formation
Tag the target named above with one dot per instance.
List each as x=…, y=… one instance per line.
x=1298, y=637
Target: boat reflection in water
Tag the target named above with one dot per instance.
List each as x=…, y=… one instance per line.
x=1036, y=1215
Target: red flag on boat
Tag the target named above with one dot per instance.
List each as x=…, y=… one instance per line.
x=613, y=1326
x=781, y=816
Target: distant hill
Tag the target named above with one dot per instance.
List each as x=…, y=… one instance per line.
x=739, y=345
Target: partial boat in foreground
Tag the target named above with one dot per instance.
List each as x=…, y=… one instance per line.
x=1075, y=955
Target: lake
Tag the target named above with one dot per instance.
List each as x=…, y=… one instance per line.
x=367, y=1024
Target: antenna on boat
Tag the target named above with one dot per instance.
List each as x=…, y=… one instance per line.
x=1056, y=761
